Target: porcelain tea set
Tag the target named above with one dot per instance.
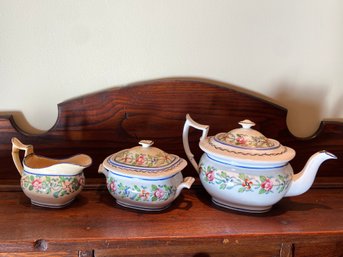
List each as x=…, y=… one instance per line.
x=241, y=170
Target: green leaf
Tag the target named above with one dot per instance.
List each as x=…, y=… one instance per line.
x=222, y=186
x=262, y=191
x=242, y=176
x=31, y=187
x=154, y=187
x=223, y=174
x=241, y=190
x=154, y=198
x=121, y=186
x=263, y=178
x=281, y=188
x=56, y=194
x=281, y=178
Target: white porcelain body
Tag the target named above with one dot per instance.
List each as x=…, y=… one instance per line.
x=249, y=180
x=249, y=189
x=144, y=193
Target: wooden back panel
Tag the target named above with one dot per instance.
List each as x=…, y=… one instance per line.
x=105, y=122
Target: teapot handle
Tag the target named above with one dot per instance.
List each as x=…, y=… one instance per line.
x=16, y=147
x=191, y=123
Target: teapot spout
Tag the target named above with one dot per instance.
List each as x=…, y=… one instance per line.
x=302, y=181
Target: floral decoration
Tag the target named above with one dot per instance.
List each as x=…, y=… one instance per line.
x=244, y=182
x=140, y=193
x=58, y=186
x=245, y=140
x=144, y=160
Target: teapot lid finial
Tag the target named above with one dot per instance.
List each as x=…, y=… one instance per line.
x=247, y=124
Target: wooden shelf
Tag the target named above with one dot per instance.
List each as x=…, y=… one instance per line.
x=95, y=224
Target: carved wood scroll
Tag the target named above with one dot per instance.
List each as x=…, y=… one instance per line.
x=105, y=122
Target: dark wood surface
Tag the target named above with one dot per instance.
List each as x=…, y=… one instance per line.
x=192, y=225
x=95, y=214
x=105, y=122
x=102, y=123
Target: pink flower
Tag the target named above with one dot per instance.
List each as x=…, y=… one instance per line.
x=82, y=181
x=140, y=159
x=210, y=175
x=159, y=193
x=113, y=186
x=267, y=185
x=241, y=140
x=66, y=185
x=37, y=184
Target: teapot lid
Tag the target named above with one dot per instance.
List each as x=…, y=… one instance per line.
x=144, y=160
x=247, y=144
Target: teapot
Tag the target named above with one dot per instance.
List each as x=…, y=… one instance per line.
x=52, y=183
x=245, y=171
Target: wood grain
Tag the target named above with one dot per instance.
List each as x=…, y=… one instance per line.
x=192, y=225
x=102, y=123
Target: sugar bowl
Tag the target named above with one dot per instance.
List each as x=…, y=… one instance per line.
x=144, y=177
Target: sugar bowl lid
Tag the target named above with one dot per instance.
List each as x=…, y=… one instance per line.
x=144, y=160
x=247, y=144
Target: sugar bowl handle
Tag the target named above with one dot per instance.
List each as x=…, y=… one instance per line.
x=16, y=147
x=102, y=170
x=191, y=123
x=187, y=183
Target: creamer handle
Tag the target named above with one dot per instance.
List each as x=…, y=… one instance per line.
x=191, y=123
x=16, y=147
